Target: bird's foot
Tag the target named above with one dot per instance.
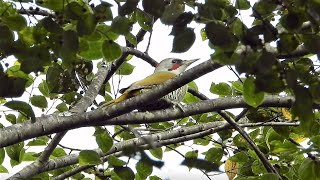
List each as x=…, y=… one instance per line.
x=175, y=104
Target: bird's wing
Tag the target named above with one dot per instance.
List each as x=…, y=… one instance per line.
x=150, y=81
x=146, y=83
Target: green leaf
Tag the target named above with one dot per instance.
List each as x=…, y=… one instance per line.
x=157, y=152
x=33, y=59
x=226, y=134
x=154, y=178
x=89, y=157
x=70, y=46
x=125, y=69
x=238, y=86
x=86, y=25
x=214, y=154
x=2, y=155
x=226, y=58
x=70, y=42
x=91, y=50
x=132, y=39
x=3, y=169
x=200, y=164
x=12, y=86
x=202, y=142
x=189, y=98
x=144, y=169
x=103, y=11
x=154, y=7
x=44, y=89
x=309, y=169
x=240, y=157
x=124, y=173
x=316, y=141
x=288, y=43
x=209, y=12
x=6, y=35
x=221, y=37
x=39, y=101
x=144, y=20
x=312, y=43
x=62, y=107
x=275, y=83
x=60, y=81
x=30, y=156
x=58, y=152
x=258, y=169
x=51, y=4
x=264, y=7
x=242, y=4
x=71, y=97
x=280, y=147
x=250, y=94
x=121, y=25
x=115, y=162
x=22, y=107
x=269, y=176
x=15, y=22
x=104, y=141
x=302, y=108
x=111, y=50
x=11, y=118
x=183, y=41
x=171, y=12
x=106, y=31
x=292, y=20
x=221, y=89
x=191, y=154
x=77, y=11
x=15, y=151
x=37, y=142
x=51, y=26
x=239, y=141
x=128, y=7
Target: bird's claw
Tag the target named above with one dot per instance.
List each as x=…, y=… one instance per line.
x=175, y=104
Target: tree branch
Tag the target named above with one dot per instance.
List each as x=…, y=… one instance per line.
x=80, y=107
x=35, y=12
x=261, y=156
x=141, y=55
x=159, y=139
x=53, y=123
x=233, y=123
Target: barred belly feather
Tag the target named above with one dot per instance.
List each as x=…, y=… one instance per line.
x=166, y=101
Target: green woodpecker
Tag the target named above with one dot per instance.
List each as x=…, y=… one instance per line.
x=165, y=70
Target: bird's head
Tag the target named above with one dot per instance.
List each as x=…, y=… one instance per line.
x=174, y=65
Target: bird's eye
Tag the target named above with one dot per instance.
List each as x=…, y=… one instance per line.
x=174, y=61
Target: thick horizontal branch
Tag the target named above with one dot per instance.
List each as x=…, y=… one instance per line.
x=53, y=124
x=159, y=139
x=193, y=109
x=57, y=123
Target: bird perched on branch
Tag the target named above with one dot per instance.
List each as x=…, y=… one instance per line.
x=165, y=70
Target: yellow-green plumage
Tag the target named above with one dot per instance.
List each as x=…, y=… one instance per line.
x=166, y=70
x=146, y=83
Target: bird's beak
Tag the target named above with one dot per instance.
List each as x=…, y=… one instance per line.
x=188, y=62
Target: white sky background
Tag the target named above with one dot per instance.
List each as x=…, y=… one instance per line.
x=160, y=48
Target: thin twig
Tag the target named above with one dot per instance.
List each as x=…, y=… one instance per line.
x=261, y=156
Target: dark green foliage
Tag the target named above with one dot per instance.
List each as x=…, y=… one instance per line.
x=50, y=52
